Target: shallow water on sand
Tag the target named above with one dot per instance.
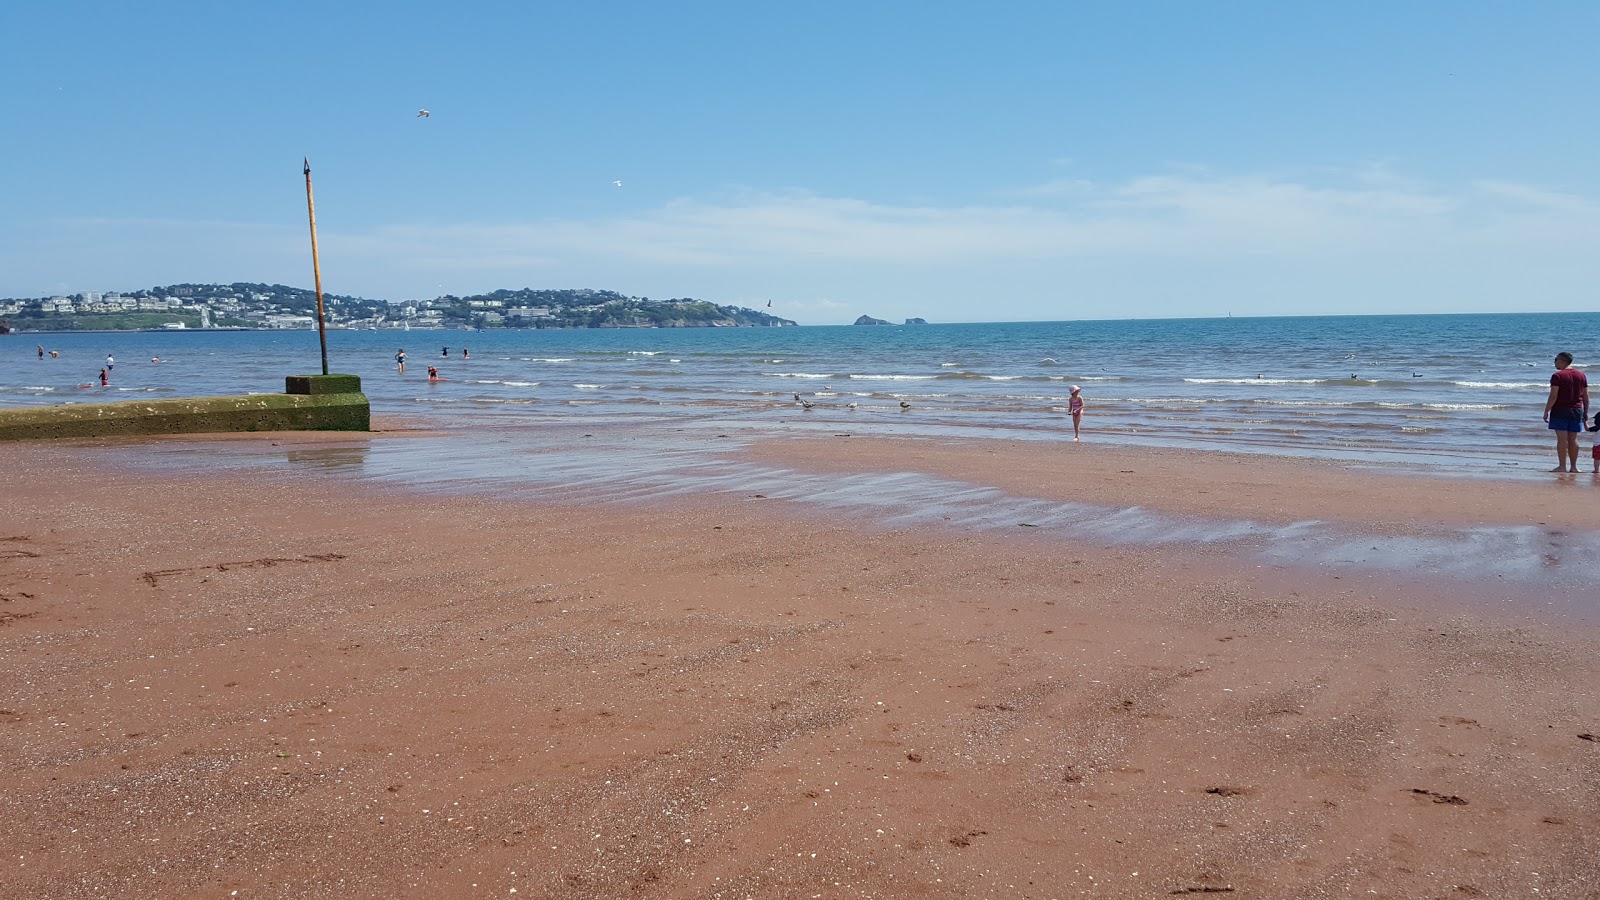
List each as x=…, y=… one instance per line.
x=654, y=466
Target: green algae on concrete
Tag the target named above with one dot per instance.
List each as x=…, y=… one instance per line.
x=322, y=384
x=347, y=411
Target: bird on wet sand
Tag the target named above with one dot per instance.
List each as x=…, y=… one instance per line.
x=852, y=405
x=904, y=405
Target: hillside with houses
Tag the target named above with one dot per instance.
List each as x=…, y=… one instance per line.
x=249, y=305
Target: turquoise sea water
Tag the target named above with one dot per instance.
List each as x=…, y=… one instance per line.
x=1462, y=391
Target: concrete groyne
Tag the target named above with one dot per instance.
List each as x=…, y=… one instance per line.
x=309, y=403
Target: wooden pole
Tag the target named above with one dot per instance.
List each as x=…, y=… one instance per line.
x=316, y=268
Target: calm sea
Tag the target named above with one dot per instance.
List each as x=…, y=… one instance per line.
x=1462, y=391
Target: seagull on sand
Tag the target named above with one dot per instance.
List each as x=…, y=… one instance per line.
x=851, y=405
x=807, y=404
x=904, y=405
x=422, y=114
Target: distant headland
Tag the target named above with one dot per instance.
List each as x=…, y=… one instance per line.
x=249, y=305
x=868, y=320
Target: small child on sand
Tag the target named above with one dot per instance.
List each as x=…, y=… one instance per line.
x=1596, y=451
x=1075, y=407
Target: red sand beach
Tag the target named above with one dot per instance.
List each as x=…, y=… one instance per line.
x=223, y=683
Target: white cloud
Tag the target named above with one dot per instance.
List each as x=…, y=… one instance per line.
x=1538, y=198
x=1188, y=236
x=1170, y=216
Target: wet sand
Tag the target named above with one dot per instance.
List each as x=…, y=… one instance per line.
x=286, y=684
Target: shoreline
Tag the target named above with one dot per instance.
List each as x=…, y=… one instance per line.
x=1471, y=409
x=704, y=693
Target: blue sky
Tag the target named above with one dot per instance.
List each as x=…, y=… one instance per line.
x=959, y=162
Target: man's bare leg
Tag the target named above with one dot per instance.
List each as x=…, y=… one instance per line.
x=1561, y=452
x=1572, y=451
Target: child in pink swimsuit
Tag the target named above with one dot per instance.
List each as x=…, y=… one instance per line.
x=1075, y=407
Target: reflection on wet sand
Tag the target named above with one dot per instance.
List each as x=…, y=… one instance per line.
x=634, y=468
x=340, y=458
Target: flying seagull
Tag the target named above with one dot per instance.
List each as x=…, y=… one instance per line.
x=617, y=183
x=422, y=114
x=769, y=304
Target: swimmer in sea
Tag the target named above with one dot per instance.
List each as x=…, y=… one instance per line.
x=444, y=351
x=104, y=378
x=433, y=373
x=465, y=354
x=400, y=360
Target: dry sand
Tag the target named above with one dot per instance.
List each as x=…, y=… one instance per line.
x=222, y=685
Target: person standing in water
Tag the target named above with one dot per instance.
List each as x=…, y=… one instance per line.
x=41, y=351
x=1075, y=407
x=110, y=363
x=105, y=379
x=464, y=354
x=400, y=360
x=444, y=351
x=1566, y=410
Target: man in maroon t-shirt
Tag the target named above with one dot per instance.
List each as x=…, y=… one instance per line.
x=1566, y=410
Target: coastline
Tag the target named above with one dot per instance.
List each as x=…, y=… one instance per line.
x=1468, y=405
x=712, y=693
